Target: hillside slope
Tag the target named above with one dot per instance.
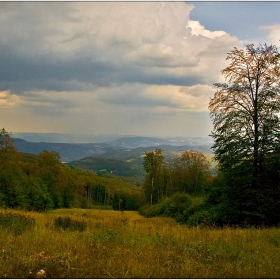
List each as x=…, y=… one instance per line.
x=101, y=166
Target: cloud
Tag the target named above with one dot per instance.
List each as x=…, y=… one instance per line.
x=7, y=99
x=198, y=29
x=159, y=98
x=93, y=64
x=92, y=43
x=273, y=33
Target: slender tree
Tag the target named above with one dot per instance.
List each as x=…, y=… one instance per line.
x=153, y=162
x=245, y=117
x=8, y=153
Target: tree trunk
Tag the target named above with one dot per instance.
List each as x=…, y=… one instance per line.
x=152, y=191
x=256, y=144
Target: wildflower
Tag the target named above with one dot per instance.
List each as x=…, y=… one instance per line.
x=41, y=273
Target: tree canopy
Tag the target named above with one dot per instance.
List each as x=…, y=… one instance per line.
x=245, y=114
x=190, y=173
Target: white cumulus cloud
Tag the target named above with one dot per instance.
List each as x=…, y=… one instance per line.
x=273, y=33
x=198, y=29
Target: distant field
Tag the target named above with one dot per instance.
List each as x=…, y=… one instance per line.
x=112, y=244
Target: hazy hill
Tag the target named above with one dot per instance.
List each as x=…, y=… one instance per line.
x=65, y=137
x=101, y=166
x=133, y=142
x=67, y=151
x=120, y=149
x=126, y=163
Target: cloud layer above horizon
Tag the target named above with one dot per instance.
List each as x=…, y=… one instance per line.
x=142, y=68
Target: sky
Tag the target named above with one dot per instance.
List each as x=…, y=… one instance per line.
x=126, y=68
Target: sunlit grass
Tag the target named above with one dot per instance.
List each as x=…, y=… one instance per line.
x=125, y=245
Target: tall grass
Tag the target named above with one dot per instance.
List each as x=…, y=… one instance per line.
x=16, y=223
x=67, y=223
x=126, y=245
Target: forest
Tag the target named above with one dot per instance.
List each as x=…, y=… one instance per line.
x=42, y=182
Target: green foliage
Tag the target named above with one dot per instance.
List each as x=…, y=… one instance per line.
x=102, y=166
x=67, y=223
x=235, y=202
x=177, y=188
x=41, y=182
x=8, y=152
x=201, y=218
x=12, y=188
x=153, y=165
x=245, y=114
x=180, y=206
x=190, y=173
x=150, y=211
x=16, y=223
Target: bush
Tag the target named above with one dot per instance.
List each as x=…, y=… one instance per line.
x=66, y=223
x=180, y=206
x=150, y=211
x=177, y=204
x=202, y=217
x=16, y=223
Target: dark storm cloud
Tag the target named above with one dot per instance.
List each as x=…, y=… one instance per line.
x=21, y=74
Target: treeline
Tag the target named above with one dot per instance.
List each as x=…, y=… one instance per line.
x=246, y=132
x=41, y=182
x=188, y=190
x=190, y=173
x=178, y=188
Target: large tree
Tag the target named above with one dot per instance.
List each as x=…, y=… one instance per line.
x=246, y=133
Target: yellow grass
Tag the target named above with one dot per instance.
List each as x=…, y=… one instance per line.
x=126, y=245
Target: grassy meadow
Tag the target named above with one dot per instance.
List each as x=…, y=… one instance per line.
x=76, y=243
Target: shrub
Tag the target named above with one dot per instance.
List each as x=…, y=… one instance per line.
x=16, y=223
x=177, y=204
x=66, y=223
x=202, y=217
x=180, y=206
x=150, y=211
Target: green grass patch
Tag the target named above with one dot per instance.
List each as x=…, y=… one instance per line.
x=67, y=223
x=16, y=223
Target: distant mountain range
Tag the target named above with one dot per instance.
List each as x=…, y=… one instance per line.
x=122, y=148
x=64, y=137
x=68, y=152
